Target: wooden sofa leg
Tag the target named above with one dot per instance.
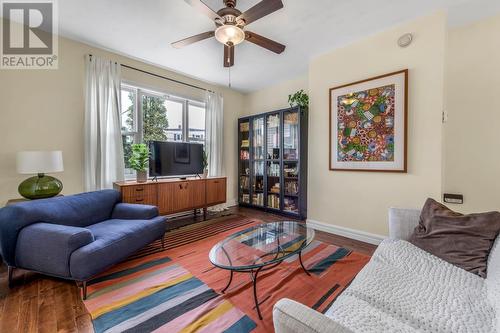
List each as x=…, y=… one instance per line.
x=84, y=289
x=10, y=270
x=163, y=241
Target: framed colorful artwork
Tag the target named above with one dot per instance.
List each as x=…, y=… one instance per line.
x=368, y=123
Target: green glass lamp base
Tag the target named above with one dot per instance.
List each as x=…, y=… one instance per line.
x=40, y=187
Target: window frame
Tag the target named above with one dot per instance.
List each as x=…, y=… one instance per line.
x=138, y=133
x=200, y=105
x=134, y=113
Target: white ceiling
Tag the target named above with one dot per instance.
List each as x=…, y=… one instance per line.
x=144, y=30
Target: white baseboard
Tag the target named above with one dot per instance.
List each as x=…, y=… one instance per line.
x=227, y=204
x=346, y=232
x=231, y=203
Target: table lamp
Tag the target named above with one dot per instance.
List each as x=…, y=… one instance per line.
x=40, y=163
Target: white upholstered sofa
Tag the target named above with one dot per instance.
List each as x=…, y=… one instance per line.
x=404, y=289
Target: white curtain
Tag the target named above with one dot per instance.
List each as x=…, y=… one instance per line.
x=103, y=163
x=214, y=126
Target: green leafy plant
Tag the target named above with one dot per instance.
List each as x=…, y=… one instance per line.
x=205, y=160
x=154, y=122
x=300, y=98
x=139, y=157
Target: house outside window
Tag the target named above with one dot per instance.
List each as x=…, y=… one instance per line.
x=148, y=115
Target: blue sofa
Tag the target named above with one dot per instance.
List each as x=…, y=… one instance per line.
x=76, y=237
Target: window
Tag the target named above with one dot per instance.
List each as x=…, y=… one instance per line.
x=128, y=124
x=196, y=122
x=154, y=116
x=174, y=128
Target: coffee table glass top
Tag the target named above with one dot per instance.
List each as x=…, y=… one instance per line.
x=261, y=245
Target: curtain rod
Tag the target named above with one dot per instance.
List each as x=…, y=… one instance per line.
x=163, y=77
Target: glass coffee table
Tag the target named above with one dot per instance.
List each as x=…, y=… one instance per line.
x=261, y=248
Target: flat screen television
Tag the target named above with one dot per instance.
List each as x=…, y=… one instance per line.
x=175, y=159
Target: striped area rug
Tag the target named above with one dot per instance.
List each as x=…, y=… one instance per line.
x=177, y=290
x=194, y=232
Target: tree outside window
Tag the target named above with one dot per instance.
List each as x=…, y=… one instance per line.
x=149, y=116
x=155, y=119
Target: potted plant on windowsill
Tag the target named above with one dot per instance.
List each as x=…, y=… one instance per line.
x=205, y=164
x=139, y=161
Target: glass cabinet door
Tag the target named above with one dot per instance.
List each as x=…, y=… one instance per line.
x=273, y=155
x=291, y=187
x=244, y=169
x=291, y=135
x=258, y=183
x=273, y=184
x=258, y=161
x=273, y=137
x=291, y=161
x=258, y=138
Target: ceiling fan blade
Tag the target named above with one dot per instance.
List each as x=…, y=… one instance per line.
x=203, y=8
x=264, y=42
x=193, y=39
x=228, y=55
x=263, y=8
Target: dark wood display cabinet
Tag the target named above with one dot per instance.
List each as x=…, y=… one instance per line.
x=272, y=163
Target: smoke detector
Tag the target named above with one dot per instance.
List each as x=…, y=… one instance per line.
x=405, y=40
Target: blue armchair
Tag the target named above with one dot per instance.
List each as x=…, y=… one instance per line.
x=76, y=237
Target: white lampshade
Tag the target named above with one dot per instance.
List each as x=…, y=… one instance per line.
x=30, y=162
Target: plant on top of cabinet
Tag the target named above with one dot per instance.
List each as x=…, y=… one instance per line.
x=300, y=98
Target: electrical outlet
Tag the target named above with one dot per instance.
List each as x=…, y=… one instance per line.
x=453, y=198
x=444, y=117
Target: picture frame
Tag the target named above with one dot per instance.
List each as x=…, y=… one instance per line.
x=368, y=123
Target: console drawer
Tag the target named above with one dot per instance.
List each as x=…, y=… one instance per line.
x=139, y=194
x=216, y=191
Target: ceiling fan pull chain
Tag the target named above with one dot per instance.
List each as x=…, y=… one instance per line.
x=229, y=68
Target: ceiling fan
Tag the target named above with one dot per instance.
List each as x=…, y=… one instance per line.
x=230, y=24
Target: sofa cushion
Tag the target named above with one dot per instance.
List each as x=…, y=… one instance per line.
x=127, y=211
x=79, y=210
x=406, y=286
x=115, y=240
x=493, y=278
x=46, y=248
x=463, y=240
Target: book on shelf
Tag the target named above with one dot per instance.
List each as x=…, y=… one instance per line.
x=258, y=199
x=292, y=187
x=244, y=127
x=259, y=169
x=273, y=201
x=245, y=143
x=244, y=182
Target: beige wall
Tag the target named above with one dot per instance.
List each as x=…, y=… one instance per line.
x=273, y=97
x=359, y=200
x=44, y=109
x=472, y=153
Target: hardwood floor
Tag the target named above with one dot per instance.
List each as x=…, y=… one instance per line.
x=38, y=303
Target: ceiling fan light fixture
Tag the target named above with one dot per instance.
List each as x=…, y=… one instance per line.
x=229, y=34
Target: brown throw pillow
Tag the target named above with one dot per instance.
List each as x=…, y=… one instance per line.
x=462, y=240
